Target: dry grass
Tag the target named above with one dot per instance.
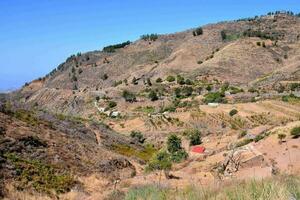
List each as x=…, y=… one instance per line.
x=278, y=188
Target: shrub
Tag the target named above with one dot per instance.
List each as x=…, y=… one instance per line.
x=158, y=80
x=112, y=104
x=160, y=161
x=112, y=48
x=153, y=95
x=179, y=156
x=194, y=136
x=200, y=62
x=74, y=78
x=134, y=81
x=170, y=79
x=177, y=92
x=281, y=136
x=148, y=82
x=198, y=31
x=80, y=71
x=233, y=112
x=242, y=134
x=188, y=82
x=173, y=143
x=116, y=83
x=223, y=35
x=104, y=77
x=214, y=97
x=180, y=80
x=138, y=136
x=295, y=132
x=258, y=43
x=263, y=44
x=129, y=96
x=187, y=91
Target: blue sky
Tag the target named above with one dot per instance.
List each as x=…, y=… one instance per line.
x=37, y=35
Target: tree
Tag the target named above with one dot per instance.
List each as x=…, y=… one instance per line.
x=295, y=132
x=188, y=82
x=129, y=96
x=137, y=136
x=198, y=31
x=223, y=35
x=153, y=96
x=170, y=79
x=173, y=143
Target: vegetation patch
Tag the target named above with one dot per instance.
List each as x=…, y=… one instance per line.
x=144, y=154
x=112, y=48
x=42, y=177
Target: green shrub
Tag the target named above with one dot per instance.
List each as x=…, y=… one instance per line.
x=194, y=136
x=104, y=77
x=295, y=132
x=242, y=134
x=244, y=142
x=160, y=161
x=200, y=62
x=173, y=143
x=40, y=176
x=170, y=79
x=180, y=80
x=188, y=82
x=112, y=104
x=129, y=96
x=153, y=95
x=223, y=35
x=258, y=43
x=187, y=91
x=177, y=92
x=179, y=156
x=214, y=97
x=233, y=112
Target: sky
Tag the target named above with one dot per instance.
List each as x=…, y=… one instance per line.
x=37, y=35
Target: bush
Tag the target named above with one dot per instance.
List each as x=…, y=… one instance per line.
x=112, y=48
x=104, y=77
x=188, y=82
x=198, y=31
x=138, y=136
x=179, y=156
x=258, y=43
x=233, y=112
x=129, y=96
x=180, y=80
x=160, y=161
x=177, y=92
x=158, y=80
x=173, y=143
x=187, y=91
x=170, y=79
x=194, y=136
x=295, y=132
x=223, y=35
x=153, y=95
x=214, y=97
x=134, y=81
x=112, y=104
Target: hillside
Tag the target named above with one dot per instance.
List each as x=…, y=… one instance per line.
x=207, y=106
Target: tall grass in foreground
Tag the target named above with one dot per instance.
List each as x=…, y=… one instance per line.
x=277, y=188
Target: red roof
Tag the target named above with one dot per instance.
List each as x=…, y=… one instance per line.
x=198, y=149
